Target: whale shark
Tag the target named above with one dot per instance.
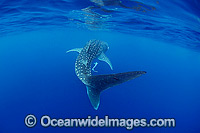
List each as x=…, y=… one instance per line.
x=95, y=84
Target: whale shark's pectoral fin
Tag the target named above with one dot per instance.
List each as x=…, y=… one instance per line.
x=74, y=50
x=103, y=57
x=99, y=83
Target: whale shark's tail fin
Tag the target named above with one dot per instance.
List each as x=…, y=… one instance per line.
x=99, y=83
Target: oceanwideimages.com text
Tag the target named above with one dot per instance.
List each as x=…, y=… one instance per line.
x=129, y=124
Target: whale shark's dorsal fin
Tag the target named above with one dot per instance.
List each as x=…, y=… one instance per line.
x=103, y=57
x=74, y=50
x=98, y=83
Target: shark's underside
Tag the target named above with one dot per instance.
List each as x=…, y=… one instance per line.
x=96, y=84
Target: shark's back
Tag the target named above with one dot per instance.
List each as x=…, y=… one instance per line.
x=92, y=50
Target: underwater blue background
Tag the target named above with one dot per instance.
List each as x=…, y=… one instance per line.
x=37, y=76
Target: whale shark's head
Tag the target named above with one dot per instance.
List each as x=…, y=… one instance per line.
x=98, y=44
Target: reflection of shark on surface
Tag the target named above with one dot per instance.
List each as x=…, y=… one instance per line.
x=139, y=6
x=97, y=83
x=107, y=2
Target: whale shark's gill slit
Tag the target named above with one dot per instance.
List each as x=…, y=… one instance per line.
x=99, y=83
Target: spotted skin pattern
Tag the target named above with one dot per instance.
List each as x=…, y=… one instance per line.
x=84, y=60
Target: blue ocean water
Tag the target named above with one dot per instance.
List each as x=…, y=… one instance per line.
x=37, y=76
